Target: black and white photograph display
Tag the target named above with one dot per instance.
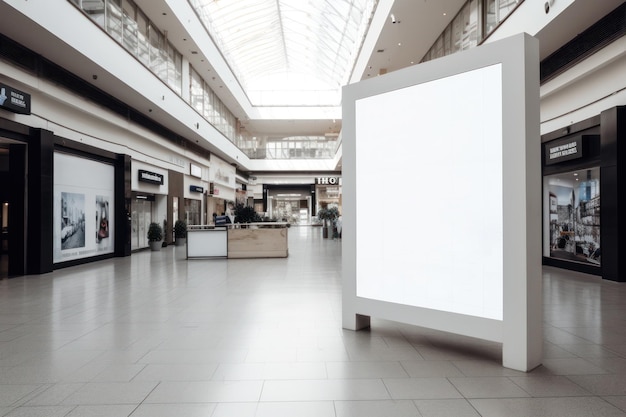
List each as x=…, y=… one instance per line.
x=574, y=218
x=102, y=218
x=82, y=187
x=72, y=220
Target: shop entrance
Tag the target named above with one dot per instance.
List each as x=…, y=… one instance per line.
x=12, y=198
x=141, y=216
x=4, y=208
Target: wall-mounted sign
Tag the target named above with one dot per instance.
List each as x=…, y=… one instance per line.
x=563, y=150
x=327, y=181
x=195, y=171
x=14, y=100
x=151, y=177
x=196, y=189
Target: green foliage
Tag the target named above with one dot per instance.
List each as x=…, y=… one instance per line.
x=155, y=232
x=180, y=229
x=330, y=214
x=246, y=214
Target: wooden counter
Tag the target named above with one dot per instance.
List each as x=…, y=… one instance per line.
x=249, y=240
x=258, y=241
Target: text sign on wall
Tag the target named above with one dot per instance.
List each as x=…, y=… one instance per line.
x=327, y=181
x=14, y=100
x=563, y=150
x=151, y=177
x=195, y=171
x=196, y=189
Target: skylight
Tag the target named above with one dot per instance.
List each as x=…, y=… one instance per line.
x=288, y=52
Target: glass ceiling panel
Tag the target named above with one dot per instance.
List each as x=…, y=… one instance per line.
x=299, y=49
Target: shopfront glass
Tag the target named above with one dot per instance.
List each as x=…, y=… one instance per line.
x=192, y=211
x=141, y=216
x=574, y=215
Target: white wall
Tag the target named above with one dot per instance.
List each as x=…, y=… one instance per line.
x=593, y=85
x=88, y=50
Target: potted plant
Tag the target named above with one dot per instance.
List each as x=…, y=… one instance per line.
x=246, y=214
x=155, y=236
x=328, y=216
x=180, y=232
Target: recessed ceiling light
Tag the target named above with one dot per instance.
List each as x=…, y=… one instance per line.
x=445, y=14
x=399, y=43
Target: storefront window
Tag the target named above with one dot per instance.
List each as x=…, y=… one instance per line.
x=192, y=211
x=574, y=215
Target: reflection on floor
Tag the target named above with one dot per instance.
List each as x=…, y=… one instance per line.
x=156, y=335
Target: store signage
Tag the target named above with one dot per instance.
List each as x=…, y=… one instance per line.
x=213, y=190
x=327, y=181
x=563, y=150
x=14, y=100
x=195, y=171
x=196, y=189
x=151, y=177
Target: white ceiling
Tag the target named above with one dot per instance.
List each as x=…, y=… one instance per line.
x=418, y=23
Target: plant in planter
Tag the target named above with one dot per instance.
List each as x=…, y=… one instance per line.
x=155, y=236
x=180, y=232
x=246, y=214
x=328, y=216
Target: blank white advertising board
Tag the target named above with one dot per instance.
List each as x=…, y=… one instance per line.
x=455, y=141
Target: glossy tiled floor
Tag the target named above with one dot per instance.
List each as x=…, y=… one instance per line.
x=155, y=335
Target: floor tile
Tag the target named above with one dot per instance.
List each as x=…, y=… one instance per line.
x=446, y=408
x=350, y=370
x=572, y=366
x=549, y=386
x=395, y=408
x=176, y=372
x=617, y=401
x=102, y=411
x=163, y=336
x=271, y=371
x=602, y=384
x=420, y=388
x=553, y=407
x=324, y=390
x=233, y=410
x=101, y=393
x=54, y=394
x=10, y=394
x=488, y=387
x=205, y=392
x=484, y=368
x=40, y=411
x=171, y=410
x=300, y=409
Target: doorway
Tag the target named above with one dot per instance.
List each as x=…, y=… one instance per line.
x=4, y=209
x=141, y=217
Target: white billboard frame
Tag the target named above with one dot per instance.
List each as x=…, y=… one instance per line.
x=520, y=329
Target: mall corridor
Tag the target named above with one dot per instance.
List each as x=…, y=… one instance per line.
x=156, y=335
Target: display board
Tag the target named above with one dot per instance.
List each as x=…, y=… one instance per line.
x=457, y=141
x=84, y=215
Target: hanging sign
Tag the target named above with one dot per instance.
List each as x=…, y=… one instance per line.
x=151, y=177
x=563, y=150
x=14, y=100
